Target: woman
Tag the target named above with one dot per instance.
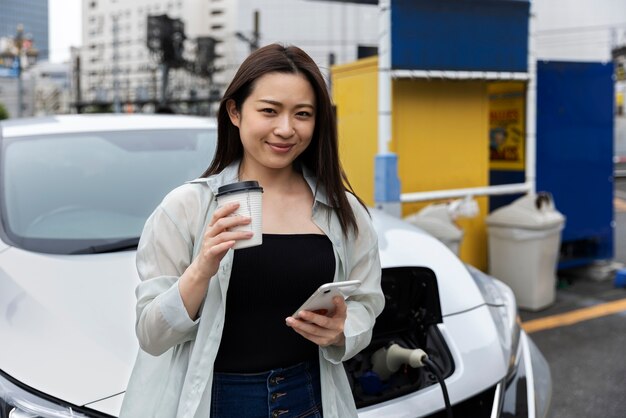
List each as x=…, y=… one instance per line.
x=213, y=318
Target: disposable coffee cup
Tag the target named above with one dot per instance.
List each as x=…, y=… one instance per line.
x=249, y=196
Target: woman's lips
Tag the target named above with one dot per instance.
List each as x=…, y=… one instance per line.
x=281, y=148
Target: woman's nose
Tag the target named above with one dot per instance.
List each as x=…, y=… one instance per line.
x=284, y=127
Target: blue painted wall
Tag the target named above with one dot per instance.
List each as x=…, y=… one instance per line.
x=470, y=35
x=575, y=154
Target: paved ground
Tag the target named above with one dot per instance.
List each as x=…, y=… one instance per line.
x=587, y=357
x=620, y=135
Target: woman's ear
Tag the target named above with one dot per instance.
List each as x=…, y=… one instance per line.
x=233, y=113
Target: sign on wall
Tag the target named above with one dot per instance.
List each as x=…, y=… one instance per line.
x=506, y=126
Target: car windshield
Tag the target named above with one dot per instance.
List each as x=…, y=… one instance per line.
x=92, y=192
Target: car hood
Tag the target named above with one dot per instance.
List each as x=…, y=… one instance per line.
x=68, y=322
x=404, y=245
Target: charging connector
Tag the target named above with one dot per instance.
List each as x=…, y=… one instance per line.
x=387, y=360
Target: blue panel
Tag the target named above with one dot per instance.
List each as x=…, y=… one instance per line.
x=497, y=177
x=386, y=181
x=575, y=152
x=470, y=35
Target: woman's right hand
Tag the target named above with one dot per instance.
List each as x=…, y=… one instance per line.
x=218, y=239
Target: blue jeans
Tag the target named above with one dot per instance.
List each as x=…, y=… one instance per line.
x=286, y=393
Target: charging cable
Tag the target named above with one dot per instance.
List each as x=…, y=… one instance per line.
x=434, y=369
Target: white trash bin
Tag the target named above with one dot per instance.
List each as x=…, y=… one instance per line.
x=524, y=242
x=436, y=220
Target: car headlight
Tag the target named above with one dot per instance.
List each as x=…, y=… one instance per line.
x=18, y=402
x=503, y=309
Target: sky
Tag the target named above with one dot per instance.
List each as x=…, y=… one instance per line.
x=64, y=28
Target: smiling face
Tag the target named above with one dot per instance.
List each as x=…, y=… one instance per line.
x=276, y=121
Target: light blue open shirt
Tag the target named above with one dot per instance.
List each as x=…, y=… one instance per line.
x=173, y=371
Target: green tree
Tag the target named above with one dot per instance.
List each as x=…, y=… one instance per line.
x=4, y=113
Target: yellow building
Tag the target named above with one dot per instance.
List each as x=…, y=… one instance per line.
x=440, y=133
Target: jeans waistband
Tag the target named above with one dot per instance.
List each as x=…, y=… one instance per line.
x=297, y=369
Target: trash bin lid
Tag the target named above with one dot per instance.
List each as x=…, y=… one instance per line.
x=436, y=220
x=533, y=211
x=444, y=231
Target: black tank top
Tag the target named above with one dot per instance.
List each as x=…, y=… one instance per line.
x=267, y=284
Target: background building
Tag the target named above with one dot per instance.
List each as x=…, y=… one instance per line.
x=579, y=30
x=9, y=95
x=114, y=41
x=32, y=18
x=51, y=88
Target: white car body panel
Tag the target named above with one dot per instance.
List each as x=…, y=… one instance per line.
x=68, y=319
x=111, y=405
x=106, y=122
x=402, y=244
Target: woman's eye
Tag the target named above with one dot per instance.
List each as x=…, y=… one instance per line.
x=304, y=114
x=268, y=110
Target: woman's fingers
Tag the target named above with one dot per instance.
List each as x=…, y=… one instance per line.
x=312, y=332
x=223, y=224
x=223, y=211
x=219, y=231
x=219, y=238
x=322, y=330
x=227, y=236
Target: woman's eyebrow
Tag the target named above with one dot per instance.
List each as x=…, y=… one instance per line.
x=275, y=103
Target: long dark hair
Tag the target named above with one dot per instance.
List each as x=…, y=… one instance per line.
x=322, y=154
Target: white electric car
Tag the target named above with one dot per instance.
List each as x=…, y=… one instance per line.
x=75, y=192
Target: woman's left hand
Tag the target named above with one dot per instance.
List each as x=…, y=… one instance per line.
x=320, y=329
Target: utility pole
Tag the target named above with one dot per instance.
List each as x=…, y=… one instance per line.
x=253, y=41
x=77, y=71
x=21, y=47
x=19, y=42
x=165, y=38
x=117, y=107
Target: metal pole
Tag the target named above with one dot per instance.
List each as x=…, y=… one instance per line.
x=19, y=38
x=531, y=105
x=256, y=35
x=384, y=77
x=78, y=97
x=165, y=71
x=386, y=181
x=20, y=90
x=117, y=107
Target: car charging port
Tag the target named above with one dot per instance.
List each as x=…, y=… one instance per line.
x=404, y=336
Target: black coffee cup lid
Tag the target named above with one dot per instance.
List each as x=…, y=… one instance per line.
x=241, y=186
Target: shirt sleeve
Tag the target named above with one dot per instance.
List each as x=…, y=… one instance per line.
x=165, y=251
x=367, y=302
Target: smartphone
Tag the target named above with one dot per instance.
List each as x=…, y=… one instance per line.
x=321, y=301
